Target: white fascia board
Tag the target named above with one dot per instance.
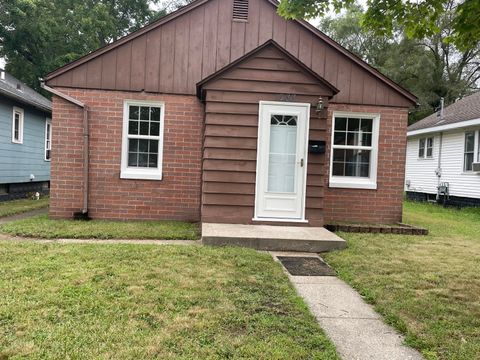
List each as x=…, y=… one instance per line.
x=447, y=127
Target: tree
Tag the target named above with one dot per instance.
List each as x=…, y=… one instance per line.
x=417, y=18
x=37, y=36
x=430, y=68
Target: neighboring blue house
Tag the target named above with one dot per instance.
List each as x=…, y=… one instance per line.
x=25, y=139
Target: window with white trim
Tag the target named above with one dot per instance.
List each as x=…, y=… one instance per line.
x=17, y=125
x=353, y=160
x=142, y=142
x=471, y=143
x=48, y=139
x=425, y=148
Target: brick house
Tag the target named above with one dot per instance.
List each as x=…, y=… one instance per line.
x=225, y=112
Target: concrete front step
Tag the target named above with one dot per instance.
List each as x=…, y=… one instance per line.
x=272, y=238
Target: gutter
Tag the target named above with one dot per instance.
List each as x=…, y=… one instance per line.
x=447, y=127
x=84, y=212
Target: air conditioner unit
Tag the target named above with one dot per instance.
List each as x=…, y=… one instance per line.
x=476, y=167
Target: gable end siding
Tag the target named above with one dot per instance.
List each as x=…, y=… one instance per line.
x=175, y=56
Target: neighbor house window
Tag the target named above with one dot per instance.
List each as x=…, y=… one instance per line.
x=142, y=140
x=354, y=151
x=48, y=139
x=425, y=147
x=17, y=126
x=469, y=151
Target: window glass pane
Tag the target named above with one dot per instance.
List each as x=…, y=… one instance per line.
x=154, y=146
x=429, y=152
x=144, y=128
x=353, y=124
x=421, y=148
x=154, y=128
x=134, y=113
x=155, y=113
x=144, y=113
x=133, y=159
x=366, y=125
x=133, y=145
x=340, y=124
x=339, y=138
x=282, y=157
x=153, y=160
x=143, y=145
x=366, y=140
x=338, y=169
x=469, y=142
x=133, y=127
x=47, y=155
x=353, y=138
x=142, y=160
x=351, y=163
x=468, y=162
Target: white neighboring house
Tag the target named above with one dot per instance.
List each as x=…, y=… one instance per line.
x=444, y=150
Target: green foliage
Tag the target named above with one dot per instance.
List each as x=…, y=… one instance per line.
x=43, y=227
x=425, y=286
x=418, y=19
x=39, y=36
x=431, y=67
x=151, y=302
x=13, y=207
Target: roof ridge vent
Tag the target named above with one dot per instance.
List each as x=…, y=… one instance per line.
x=240, y=10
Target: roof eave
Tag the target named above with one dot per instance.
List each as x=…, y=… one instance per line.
x=446, y=127
x=25, y=102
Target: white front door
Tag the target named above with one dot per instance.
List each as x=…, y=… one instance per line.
x=281, y=161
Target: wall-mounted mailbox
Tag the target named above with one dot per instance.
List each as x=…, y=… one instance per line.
x=316, y=147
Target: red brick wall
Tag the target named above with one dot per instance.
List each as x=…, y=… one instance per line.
x=383, y=205
x=175, y=197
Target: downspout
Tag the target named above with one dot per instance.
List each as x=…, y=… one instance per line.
x=439, y=167
x=84, y=213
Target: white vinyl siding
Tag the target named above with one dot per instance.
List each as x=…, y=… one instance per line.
x=421, y=173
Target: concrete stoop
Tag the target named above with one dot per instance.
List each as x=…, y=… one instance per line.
x=272, y=238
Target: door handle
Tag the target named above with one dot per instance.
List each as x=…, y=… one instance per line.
x=301, y=162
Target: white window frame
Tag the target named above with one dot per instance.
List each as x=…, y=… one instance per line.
x=425, y=149
x=48, y=141
x=476, y=148
x=352, y=182
x=20, y=112
x=134, y=172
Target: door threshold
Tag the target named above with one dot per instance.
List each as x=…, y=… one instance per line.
x=303, y=221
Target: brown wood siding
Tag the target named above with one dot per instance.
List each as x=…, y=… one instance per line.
x=174, y=57
x=231, y=131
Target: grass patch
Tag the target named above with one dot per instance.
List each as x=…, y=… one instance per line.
x=13, y=207
x=426, y=286
x=43, y=227
x=145, y=302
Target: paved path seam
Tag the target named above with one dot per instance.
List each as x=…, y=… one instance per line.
x=358, y=332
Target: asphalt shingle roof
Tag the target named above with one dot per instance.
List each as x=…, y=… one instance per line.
x=13, y=88
x=464, y=109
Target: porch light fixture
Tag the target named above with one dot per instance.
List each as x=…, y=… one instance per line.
x=319, y=105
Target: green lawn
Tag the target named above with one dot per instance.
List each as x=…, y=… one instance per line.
x=426, y=286
x=14, y=207
x=143, y=302
x=43, y=227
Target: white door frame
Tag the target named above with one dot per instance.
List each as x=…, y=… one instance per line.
x=262, y=176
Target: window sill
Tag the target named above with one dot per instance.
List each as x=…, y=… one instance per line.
x=140, y=175
x=353, y=184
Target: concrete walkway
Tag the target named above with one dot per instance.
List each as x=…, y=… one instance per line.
x=24, y=215
x=357, y=331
